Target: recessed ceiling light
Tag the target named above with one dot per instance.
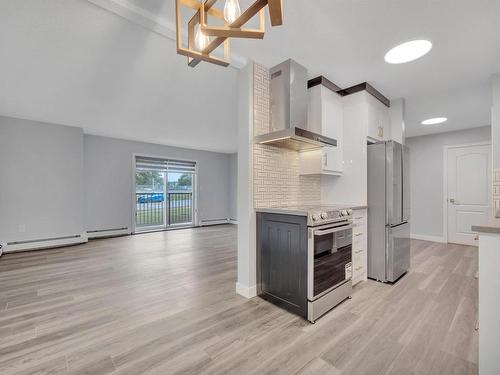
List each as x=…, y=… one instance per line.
x=434, y=121
x=408, y=51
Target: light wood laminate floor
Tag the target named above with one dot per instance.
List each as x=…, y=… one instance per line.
x=165, y=303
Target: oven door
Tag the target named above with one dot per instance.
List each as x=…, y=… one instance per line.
x=329, y=258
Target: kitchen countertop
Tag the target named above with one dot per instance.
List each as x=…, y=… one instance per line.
x=491, y=227
x=304, y=210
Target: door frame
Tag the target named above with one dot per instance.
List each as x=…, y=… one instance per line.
x=446, y=148
x=133, y=196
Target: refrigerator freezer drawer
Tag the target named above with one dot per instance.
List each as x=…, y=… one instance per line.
x=398, y=251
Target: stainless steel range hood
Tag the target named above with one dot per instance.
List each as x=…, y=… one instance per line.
x=289, y=101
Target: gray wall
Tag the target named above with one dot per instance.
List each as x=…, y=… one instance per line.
x=41, y=185
x=108, y=166
x=55, y=181
x=427, y=174
x=233, y=186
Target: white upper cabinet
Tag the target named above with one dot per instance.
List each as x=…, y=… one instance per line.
x=371, y=113
x=378, y=119
x=362, y=116
x=325, y=117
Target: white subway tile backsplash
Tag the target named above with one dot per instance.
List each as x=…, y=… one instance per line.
x=276, y=170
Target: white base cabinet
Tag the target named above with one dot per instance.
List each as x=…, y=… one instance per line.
x=359, y=246
x=489, y=303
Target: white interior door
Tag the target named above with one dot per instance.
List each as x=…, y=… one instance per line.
x=469, y=191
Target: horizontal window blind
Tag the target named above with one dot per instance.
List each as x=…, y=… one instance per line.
x=165, y=165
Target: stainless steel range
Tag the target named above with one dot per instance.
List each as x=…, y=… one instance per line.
x=305, y=257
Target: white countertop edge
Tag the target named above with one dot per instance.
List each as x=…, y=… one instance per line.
x=491, y=229
x=284, y=211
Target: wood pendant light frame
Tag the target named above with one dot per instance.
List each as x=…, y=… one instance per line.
x=194, y=56
x=204, y=9
x=235, y=29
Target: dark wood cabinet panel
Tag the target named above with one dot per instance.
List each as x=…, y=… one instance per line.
x=283, y=260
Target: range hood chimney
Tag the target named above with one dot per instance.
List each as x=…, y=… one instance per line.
x=289, y=101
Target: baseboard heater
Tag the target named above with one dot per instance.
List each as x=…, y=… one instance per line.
x=103, y=233
x=44, y=243
x=205, y=222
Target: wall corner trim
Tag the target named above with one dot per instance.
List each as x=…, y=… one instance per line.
x=246, y=291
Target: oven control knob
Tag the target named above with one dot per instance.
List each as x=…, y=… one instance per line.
x=315, y=217
x=343, y=213
x=324, y=215
x=349, y=211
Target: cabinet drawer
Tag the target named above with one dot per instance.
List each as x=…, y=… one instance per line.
x=359, y=259
x=358, y=252
x=359, y=226
x=358, y=271
x=358, y=279
x=358, y=234
x=359, y=241
x=359, y=216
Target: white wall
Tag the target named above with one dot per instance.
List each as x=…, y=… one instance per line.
x=495, y=121
x=427, y=174
x=495, y=144
x=108, y=165
x=233, y=186
x=56, y=182
x=397, y=120
x=247, y=267
x=41, y=184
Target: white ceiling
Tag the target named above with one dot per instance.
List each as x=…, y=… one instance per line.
x=71, y=62
x=74, y=63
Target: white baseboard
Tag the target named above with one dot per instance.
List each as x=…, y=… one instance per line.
x=424, y=237
x=245, y=291
x=205, y=222
x=46, y=243
x=102, y=233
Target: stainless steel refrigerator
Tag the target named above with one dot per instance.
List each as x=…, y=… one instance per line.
x=388, y=211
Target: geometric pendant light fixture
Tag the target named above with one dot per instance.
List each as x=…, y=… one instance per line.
x=204, y=37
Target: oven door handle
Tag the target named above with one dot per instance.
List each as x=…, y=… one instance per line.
x=320, y=232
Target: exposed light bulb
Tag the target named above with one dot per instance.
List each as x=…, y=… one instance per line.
x=201, y=40
x=231, y=11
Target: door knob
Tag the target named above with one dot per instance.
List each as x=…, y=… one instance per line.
x=452, y=200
